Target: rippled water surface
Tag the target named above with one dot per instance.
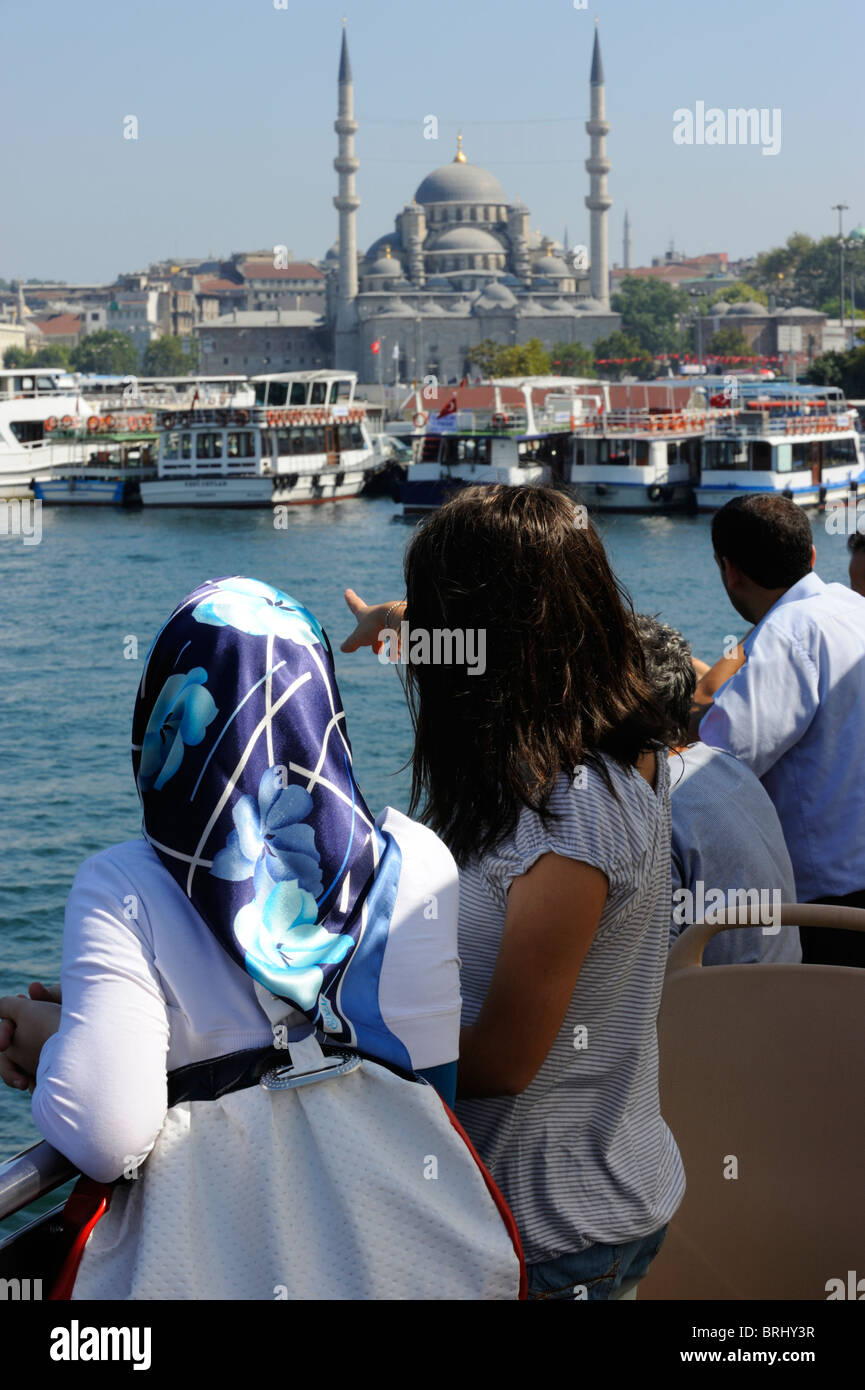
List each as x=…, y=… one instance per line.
x=101, y=576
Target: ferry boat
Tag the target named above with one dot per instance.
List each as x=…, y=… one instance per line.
x=511, y=431
x=638, y=459
x=304, y=440
x=41, y=433
x=799, y=441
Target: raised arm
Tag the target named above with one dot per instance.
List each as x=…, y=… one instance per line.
x=371, y=619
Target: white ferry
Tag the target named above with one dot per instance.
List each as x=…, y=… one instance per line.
x=304, y=440
x=799, y=441
x=509, y=431
x=42, y=431
x=638, y=459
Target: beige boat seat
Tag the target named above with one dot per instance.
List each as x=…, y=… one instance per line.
x=762, y=1081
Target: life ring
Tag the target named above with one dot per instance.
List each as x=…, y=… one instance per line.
x=50, y=424
x=93, y=424
x=66, y=422
x=271, y=417
x=132, y=424
x=109, y=422
x=656, y=492
x=420, y=419
x=499, y=419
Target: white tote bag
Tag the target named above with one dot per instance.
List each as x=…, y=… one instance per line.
x=357, y=1186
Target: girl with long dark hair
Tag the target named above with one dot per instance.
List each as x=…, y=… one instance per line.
x=544, y=774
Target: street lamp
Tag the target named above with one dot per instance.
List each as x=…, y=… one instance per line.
x=841, y=208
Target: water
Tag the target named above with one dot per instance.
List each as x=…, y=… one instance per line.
x=100, y=577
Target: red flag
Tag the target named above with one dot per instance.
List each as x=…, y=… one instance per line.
x=449, y=409
x=465, y=381
x=375, y=347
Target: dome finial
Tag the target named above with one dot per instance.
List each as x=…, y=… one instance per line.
x=387, y=252
x=459, y=157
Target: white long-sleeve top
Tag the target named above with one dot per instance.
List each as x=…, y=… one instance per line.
x=147, y=988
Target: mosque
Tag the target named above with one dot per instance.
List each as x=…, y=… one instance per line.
x=460, y=264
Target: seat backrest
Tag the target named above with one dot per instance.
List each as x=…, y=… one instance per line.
x=762, y=1078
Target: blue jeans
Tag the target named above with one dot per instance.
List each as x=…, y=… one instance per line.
x=600, y=1269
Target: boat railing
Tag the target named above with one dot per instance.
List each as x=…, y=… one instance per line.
x=751, y=423
x=30, y=1175
x=643, y=421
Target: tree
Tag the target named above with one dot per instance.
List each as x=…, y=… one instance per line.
x=484, y=357
x=573, y=359
x=520, y=359
x=729, y=342
x=844, y=369
x=808, y=272
x=108, y=351
x=739, y=293
x=650, y=312
x=621, y=355
x=51, y=355
x=166, y=357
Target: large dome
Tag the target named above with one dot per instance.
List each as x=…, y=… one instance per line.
x=460, y=182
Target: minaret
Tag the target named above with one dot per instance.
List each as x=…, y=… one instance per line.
x=347, y=204
x=599, y=202
x=626, y=243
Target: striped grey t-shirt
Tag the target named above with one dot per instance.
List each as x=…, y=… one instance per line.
x=583, y=1154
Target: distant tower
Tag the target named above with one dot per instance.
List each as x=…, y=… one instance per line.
x=626, y=247
x=21, y=310
x=599, y=202
x=347, y=204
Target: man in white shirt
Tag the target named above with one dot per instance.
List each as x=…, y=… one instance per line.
x=794, y=711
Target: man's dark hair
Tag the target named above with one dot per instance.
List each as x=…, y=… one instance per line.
x=856, y=542
x=767, y=537
x=670, y=672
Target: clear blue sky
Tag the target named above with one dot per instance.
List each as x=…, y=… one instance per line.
x=236, y=101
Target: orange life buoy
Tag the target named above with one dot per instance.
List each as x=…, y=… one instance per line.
x=271, y=417
x=420, y=419
x=66, y=422
x=93, y=424
x=51, y=424
x=108, y=421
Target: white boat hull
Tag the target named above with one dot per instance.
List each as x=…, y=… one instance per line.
x=716, y=489
x=208, y=492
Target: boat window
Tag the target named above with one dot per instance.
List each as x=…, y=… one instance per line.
x=784, y=458
x=287, y=442
x=343, y=390
x=319, y=393
x=241, y=444
x=356, y=437
x=261, y=392
x=278, y=394
x=28, y=431
x=719, y=454
x=45, y=383
x=298, y=393
x=209, y=445
x=804, y=454
x=839, y=451
x=761, y=456
x=171, y=445
x=186, y=446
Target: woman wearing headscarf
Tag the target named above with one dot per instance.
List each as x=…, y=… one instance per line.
x=263, y=907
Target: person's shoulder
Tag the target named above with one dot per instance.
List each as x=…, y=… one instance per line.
x=416, y=840
x=133, y=860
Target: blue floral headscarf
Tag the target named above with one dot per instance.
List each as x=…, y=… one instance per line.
x=244, y=770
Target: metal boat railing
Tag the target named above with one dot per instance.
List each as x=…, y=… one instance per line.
x=30, y=1175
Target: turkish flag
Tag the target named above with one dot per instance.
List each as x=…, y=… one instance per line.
x=375, y=347
x=449, y=409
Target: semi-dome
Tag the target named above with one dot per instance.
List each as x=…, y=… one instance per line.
x=388, y=266
x=380, y=246
x=531, y=308
x=460, y=182
x=468, y=240
x=750, y=306
x=552, y=268
x=495, y=297
x=397, y=309
x=590, y=306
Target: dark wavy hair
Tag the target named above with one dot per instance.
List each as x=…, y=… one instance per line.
x=565, y=679
x=670, y=671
